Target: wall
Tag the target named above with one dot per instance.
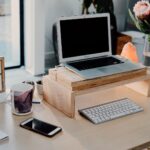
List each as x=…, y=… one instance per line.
x=120, y=10
x=53, y=10
x=34, y=11
x=15, y=32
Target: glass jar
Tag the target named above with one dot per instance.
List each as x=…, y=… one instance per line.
x=146, y=51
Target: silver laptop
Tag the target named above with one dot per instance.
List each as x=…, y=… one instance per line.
x=84, y=46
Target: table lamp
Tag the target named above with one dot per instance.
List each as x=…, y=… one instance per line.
x=129, y=52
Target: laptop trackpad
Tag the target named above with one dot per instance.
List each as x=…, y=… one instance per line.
x=110, y=69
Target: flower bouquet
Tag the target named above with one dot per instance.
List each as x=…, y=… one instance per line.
x=141, y=18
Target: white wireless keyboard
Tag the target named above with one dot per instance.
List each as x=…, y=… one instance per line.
x=109, y=111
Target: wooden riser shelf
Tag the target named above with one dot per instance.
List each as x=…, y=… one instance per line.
x=61, y=86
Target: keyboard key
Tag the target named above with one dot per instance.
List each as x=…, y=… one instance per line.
x=93, y=63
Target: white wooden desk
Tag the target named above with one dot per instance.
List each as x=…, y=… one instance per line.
x=80, y=134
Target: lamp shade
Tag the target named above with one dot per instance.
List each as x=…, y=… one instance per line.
x=129, y=51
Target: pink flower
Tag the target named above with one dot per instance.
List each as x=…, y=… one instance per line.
x=142, y=10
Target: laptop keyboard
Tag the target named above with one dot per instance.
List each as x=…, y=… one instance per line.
x=94, y=63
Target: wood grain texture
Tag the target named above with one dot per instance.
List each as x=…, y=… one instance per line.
x=77, y=83
x=122, y=39
x=80, y=134
x=142, y=87
x=58, y=96
x=2, y=63
x=61, y=86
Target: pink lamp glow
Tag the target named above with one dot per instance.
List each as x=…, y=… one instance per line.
x=129, y=52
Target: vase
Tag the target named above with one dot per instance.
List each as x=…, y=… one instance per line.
x=146, y=51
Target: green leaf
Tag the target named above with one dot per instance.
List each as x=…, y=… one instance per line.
x=147, y=23
x=132, y=17
x=138, y=26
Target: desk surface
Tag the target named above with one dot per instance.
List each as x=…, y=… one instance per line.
x=78, y=133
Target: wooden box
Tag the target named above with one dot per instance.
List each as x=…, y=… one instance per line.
x=122, y=39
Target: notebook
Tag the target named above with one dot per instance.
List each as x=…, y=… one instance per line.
x=84, y=46
x=3, y=136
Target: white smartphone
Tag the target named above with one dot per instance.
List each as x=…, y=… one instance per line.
x=40, y=127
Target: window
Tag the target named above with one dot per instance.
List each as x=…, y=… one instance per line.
x=10, y=21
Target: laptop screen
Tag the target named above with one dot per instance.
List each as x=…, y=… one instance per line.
x=84, y=36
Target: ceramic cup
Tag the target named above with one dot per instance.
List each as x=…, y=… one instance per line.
x=30, y=82
x=21, y=98
x=39, y=87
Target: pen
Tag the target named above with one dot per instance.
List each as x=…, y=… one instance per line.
x=36, y=102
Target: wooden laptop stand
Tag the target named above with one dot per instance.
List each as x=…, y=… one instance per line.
x=61, y=86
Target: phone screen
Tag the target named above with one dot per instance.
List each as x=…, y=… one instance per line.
x=39, y=126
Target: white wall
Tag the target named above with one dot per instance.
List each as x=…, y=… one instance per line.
x=39, y=18
x=34, y=36
x=15, y=32
x=53, y=10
